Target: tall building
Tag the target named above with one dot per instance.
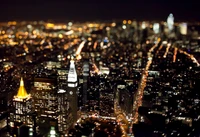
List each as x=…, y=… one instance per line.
x=183, y=28
x=72, y=90
x=50, y=100
x=126, y=102
x=62, y=79
x=44, y=97
x=156, y=28
x=85, y=82
x=107, y=103
x=22, y=108
x=45, y=103
x=170, y=22
x=65, y=118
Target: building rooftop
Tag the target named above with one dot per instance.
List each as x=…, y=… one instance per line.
x=22, y=94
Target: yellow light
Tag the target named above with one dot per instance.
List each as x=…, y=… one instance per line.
x=60, y=36
x=34, y=32
x=124, y=21
x=22, y=94
x=12, y=23
x=79, y=57
x=50, y=25
x=96, y=25
x=80, y=29
x=158, y=40
x=129, y=21
x=64, y=26
x=89, y=39
x=90, y=25
x=113, y=24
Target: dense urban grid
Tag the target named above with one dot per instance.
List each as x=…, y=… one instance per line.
x=100, y=79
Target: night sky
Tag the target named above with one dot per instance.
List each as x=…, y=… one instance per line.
x=83, y=10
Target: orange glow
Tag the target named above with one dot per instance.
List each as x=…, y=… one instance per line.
x=95, y=45
x=159, y=49
x=190, y=56
x=89, y=39
x=12, y=23
x=152, y=48
x=124, y=21
x=91, y=25
x=113, y=24
x=175, y=52
x=167, y=50
x=129, y=21
x=139, y=95
x=95, y=68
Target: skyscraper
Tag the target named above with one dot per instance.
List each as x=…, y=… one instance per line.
x=72, y=90
x=65, y=118
x=45, y=102
x=45, y=97
x=170, y=22
x=85, y=82
x=22, y=108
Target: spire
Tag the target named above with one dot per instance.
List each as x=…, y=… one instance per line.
x=72, y=75
x=72, y=62
x=22, y=94
x=21, y=82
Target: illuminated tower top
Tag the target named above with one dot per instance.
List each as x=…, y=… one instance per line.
x=72, y=75
x=170, y=22
x=22, y=94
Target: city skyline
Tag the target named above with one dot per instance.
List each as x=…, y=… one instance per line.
x=106, y=78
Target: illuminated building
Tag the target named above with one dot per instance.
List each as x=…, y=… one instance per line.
x=45, y=101
x=107, y=103
x=156, y=28
x=144, y=25
x=22, y=108
x=53, y=133
x=126, y=101
x=62, y=79
x=85, y=81
x=170, y=22
x=65, y=119
x=93, y=95
x=50, y=100
x=183, y=28
x=52, y=65
x=72, y=90
x=44, y=97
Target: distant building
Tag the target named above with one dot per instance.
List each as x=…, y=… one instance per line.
x=183, y=28
x=170, y=22
x=86, y=73
x=156, y=28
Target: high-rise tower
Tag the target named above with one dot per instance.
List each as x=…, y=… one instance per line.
x=22, y=108
x=170, y=22
x=72, y=90
x=85, y=82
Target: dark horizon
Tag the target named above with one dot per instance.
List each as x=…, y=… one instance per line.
x=88, y=10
